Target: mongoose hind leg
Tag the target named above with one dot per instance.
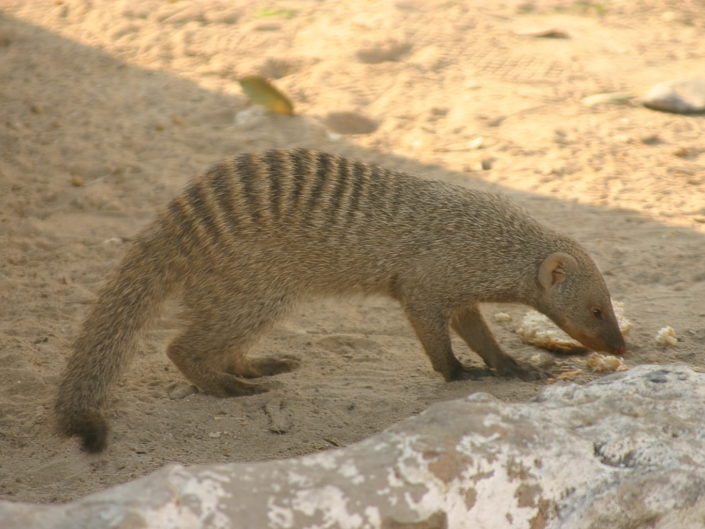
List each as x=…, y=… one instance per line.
x=251, y=315
x=195, y=353
x=471, y=327
x=212, y=353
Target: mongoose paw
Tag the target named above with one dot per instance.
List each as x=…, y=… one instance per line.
x=523, y=372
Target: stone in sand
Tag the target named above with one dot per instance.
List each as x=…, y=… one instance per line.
x=681, y=97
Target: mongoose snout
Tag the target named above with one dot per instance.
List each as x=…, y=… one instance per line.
x=608, y=339
x=259, y=232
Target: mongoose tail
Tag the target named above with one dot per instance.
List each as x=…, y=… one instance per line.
x=124, y=306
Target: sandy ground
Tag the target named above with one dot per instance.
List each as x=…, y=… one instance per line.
x=108, y=108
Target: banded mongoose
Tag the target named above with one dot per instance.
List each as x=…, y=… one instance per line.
x=258, y=232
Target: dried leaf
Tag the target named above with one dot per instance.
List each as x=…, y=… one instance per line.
x=264, y=93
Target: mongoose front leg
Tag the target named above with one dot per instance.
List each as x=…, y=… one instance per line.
x=471, y=327
x=432, y=332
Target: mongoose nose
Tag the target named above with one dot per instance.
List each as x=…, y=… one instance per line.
x=619, y=347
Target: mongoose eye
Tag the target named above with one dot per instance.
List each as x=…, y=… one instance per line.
x=597, y=313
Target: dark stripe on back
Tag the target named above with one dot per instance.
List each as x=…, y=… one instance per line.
x=274, y=172
x=183, y=225
x=358, y=183
x=341, y=184
x=395, y=199
x=379, y=189
x=298, y=162
x=322, y=172
x=202, y=211
x=222, y=191
x=247, y=172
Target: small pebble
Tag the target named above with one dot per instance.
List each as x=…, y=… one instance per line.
x=550, y=33
x=476, y=143
x=687, y=153
x=651, y=139
x=483, y=165
x=180, y=391
x=680, y=97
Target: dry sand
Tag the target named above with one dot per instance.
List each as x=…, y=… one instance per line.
x=107, y=108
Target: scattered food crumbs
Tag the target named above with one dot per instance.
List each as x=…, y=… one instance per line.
x=544, y=360
x=600, y=363
x=667, y=337
x=567, y=375
x=501, y=317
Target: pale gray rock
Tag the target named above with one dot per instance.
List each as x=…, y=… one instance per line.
x=627, y=451
x=681, y=97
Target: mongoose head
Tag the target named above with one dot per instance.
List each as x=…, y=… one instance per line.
x=574, y=295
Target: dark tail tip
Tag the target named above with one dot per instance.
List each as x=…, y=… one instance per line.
x=89, y=426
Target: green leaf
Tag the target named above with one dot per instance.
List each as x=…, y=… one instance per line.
x=264, y=93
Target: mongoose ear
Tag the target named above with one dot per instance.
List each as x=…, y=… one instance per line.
x=555, y=269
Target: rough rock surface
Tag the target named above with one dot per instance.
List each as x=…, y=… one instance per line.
x=681, y=97
x=626, y=451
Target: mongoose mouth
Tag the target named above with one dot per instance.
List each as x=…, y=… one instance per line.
x=596, y=344
x=614, y=345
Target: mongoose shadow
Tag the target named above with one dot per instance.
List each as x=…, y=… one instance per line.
x=259, y=232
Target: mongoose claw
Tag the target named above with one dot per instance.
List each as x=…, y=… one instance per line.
x=268, y=366
x=227, y=385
